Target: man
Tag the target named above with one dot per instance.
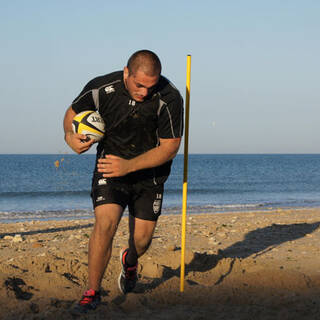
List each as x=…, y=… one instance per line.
x=143, y=114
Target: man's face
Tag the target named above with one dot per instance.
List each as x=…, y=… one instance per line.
x=139, y=84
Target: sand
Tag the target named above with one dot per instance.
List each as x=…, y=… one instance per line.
x=249, y=265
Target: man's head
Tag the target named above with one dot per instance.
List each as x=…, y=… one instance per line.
x=141, y=74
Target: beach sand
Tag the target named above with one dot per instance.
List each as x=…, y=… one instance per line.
x=249, y=265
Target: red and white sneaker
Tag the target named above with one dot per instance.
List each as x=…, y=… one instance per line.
x=128, y=276
x=89, y=301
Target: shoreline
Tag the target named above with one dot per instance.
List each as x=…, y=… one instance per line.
x=261, y=264
x=166, y=212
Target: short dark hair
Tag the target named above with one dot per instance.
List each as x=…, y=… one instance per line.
x=146, y=61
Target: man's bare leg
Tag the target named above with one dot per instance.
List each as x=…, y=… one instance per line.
x=141, y=233
x=107, y=218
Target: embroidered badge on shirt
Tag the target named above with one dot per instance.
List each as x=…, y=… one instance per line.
x=109, y=89
x=102, y=182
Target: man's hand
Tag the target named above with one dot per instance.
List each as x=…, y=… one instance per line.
x=113, y=166
x=79, y=143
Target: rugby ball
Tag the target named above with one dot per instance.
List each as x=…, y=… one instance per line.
x=89, y=123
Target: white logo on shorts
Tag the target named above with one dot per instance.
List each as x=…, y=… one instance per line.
x=156, y=206
x=100, y=198
x=102, y=182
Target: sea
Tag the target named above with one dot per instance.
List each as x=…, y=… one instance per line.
x=57, y=186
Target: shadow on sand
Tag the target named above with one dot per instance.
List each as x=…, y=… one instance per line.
x=61, y=229
x=256, y=242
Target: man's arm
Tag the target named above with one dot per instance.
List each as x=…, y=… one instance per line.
x=74, y=140
x=113, y=166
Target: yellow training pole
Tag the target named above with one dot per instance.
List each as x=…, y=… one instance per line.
x=185, y=177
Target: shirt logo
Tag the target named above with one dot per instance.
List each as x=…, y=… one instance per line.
x=132, y=103
x=109, y=89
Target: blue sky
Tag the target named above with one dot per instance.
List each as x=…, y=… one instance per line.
x=254, y=77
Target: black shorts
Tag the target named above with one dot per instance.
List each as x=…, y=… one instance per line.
x=143, y=202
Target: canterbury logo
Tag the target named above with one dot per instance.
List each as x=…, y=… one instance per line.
x=102, y=182
x=100, y=198
x=109, y=89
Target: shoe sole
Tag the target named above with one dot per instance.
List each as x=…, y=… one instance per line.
x=119, y=279
x=119, y=284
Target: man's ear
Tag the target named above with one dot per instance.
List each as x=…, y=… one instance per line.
x=125, y=73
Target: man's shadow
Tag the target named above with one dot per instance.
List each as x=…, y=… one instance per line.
x=49, y=230
x=256, y=242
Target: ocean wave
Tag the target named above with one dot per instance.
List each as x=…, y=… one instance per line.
x=57, y=193
x=231, y=206
x=206, y=191
x=68, y=214
x=9, y=217
x=212, y=208
x=32, y=194
x=215, y=208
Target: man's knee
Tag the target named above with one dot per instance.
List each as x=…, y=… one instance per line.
x=106, y=227
x=141, y=233
x=141, y=242
x=107, y=219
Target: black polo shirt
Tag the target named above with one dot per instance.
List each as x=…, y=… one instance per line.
x=133, y=127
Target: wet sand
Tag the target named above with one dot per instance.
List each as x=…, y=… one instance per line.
x=246, y=265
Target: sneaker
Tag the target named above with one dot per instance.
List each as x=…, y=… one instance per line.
x=90, y=300
x=128, y=276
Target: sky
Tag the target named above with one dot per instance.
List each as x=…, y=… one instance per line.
x=255, y=67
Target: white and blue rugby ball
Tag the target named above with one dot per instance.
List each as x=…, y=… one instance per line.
x=89, y=123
